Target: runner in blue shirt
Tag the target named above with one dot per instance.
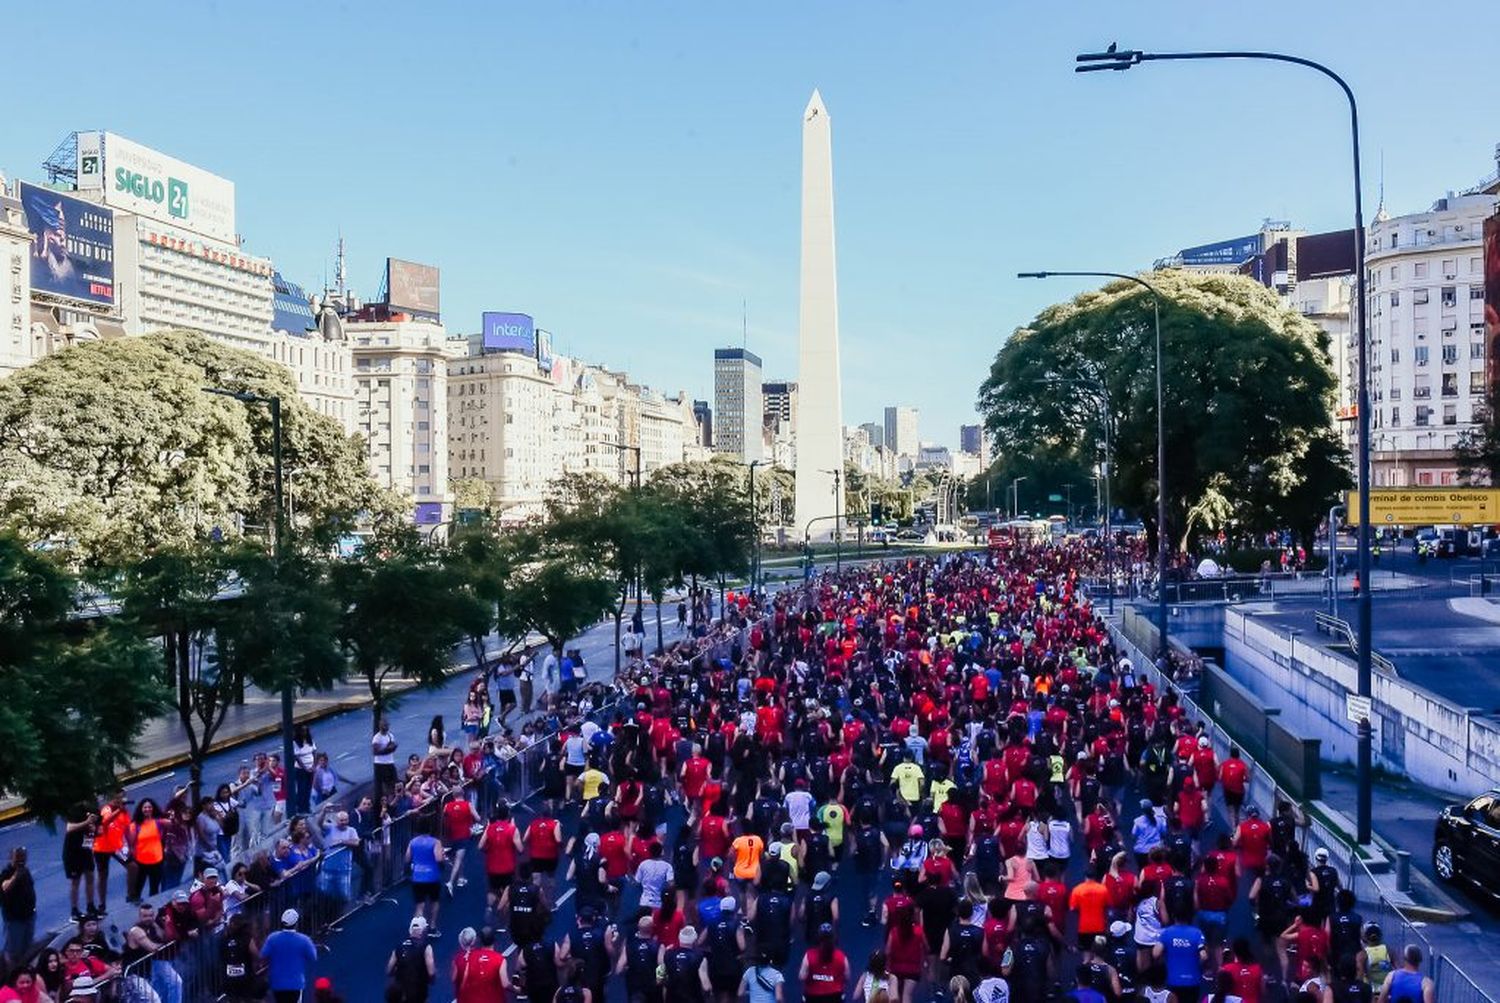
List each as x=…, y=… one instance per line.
x=289, y=956
x=1184, y=950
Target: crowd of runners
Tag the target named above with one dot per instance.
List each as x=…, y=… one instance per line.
x=948, y=762
x=953, y=756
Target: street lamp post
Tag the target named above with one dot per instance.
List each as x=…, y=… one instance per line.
x=635, y=485
x=1163, y=648
x=1015, y=496
x=274, y=403
x=1117, y=59
x=838, y=499
x=755, y=527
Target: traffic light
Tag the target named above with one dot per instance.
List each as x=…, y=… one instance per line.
x=877, y=513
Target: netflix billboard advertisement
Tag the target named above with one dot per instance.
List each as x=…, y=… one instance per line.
x=1492, y=303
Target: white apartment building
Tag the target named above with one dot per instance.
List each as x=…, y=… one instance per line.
x=738, y=405
x=501, y=428
x=401, y=407
x=323, y=370
x=170, y=278
x=16, y=349
x=1427, y=344
x=901, y=431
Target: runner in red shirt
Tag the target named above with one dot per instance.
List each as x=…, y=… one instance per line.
x=543, y=842
x=479, y=971
x=1235, y=776
x=1253, y=839
x=500, y=844
x=459, y=820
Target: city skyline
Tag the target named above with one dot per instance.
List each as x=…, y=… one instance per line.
x=704, y=158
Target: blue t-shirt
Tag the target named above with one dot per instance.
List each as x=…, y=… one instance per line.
x=424, y=866
x=288, y=956
x=1180, y=944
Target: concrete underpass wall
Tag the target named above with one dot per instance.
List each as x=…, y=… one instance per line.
x=1417, y=734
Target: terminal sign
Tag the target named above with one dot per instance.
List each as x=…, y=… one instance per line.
x=1429, y=506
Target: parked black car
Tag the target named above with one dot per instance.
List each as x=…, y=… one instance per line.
x=1466, y=844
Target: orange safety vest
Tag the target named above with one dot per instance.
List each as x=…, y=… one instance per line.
x=147, y=842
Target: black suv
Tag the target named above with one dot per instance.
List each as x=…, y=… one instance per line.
x=1466, y=844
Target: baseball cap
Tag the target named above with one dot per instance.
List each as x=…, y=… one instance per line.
x=290, y=918
x=1252, y=811
x=418, y=925
x=820, y=881
x=1321, y=854
x=687, y=936
x=1202, y=741
x=915, y=831
x=1119, y=928
x=727, y=904
x=211, y=872
x=1145, y=804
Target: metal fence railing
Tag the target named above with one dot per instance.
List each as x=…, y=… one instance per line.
x=1451, y=983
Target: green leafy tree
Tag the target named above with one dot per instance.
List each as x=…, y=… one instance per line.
x=403, y=612
x=113, y=449
x=178, y=594
x=75, y=693
x=718, y=531
x=1478, y=449
x=1248, y=386
x=556, y=588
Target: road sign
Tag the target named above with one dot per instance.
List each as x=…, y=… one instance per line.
x=1358, y=708
x=1054, y=498
x=1423, y=506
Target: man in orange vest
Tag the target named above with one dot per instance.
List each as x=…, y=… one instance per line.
x=109, y=839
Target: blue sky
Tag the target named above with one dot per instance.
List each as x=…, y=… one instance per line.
x=628, y=173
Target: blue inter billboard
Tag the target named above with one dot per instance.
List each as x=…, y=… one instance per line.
x=72, y=245
x=1224, y=252
x=507, y=332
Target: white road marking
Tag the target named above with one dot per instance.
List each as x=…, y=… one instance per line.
x=565, y=896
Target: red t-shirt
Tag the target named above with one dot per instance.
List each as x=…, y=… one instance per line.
x=713, y=837
x=541, y=839
x=500, y=847
x=826, y=978
x=1255, y=842
x=616, y=859
x=1247, y=979
x=458, y=818
x=1232, y=774
x=479, y=976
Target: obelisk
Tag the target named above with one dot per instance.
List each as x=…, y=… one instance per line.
x=820, y=430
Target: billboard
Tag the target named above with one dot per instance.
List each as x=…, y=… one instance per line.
x=72, y=245
x=1435, y=506
x=291, y=309
x=507, y=332
x=544, y=354
x=1225, y=252
x=411, y=288
x=137, y=179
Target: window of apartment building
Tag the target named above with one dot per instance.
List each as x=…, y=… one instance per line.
x=1424, y=415
x=1476, y=293
x=1476, y=349
x=1450, y=267
x=1450, y=297
x=422, y=426
x=423, y=468
x=1450, y=384
x=1419, y=296
x=1420, y=355
x=1450, y=354
x=1395, y=417
x=1450, y=414
x=1422, y=390
x=1395, y=272
x=1420, y=269
x=1395, y=393
x=1476, y=383
x=1395, y=297
x=1395, y=355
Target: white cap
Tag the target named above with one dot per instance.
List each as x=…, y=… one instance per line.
x=290, y=918
x=418, y=925
x=1202, y=741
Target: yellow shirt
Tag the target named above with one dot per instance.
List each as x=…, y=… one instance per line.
x=832, y=817
x=592, y=781
x=908, y=778
x=940, y=790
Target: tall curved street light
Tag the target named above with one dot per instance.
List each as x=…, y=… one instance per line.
x=1115, y=58
x=1163, y=647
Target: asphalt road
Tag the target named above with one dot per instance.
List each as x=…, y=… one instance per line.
x=356, y=955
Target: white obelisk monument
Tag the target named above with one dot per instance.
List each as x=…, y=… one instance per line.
x=820, y=429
